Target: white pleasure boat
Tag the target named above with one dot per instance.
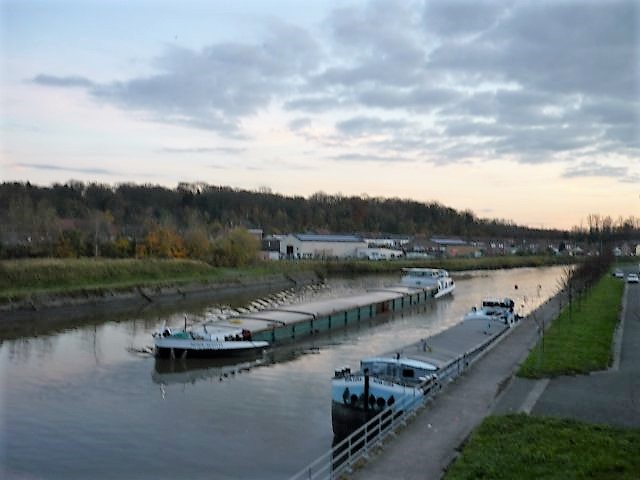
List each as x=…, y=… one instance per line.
x=494, y=309
x=428, y=277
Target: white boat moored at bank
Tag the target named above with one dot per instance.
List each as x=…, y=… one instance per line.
x=428, y=277
x=494, y=309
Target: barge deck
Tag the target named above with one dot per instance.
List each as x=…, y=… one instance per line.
x=291, y=322
x=428, y=363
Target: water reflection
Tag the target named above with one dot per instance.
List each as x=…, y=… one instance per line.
x=79, y=404
x=184, y=371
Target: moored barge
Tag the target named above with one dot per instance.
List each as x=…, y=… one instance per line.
x=405, y=376
x=289, y=323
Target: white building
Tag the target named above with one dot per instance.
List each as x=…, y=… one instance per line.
x=394, y=241
x=320, y=246
x=379, y=253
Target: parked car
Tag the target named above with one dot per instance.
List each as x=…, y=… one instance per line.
x=633, y=278
x=618, y=273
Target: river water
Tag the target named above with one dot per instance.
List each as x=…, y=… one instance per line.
x=83, y=404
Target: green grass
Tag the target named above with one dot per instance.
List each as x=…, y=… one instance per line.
x=581, y=342
x=22, y=278
x=452, y=264
x=524, y=447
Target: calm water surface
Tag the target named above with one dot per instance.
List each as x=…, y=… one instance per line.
x=82, y=404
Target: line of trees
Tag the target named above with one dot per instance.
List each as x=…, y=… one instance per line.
x=203, y=221
x=578, y=281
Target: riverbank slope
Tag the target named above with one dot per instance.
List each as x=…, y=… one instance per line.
x=38, y=295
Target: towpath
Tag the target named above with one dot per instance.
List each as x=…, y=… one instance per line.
x=425, y=448
x=609, y=397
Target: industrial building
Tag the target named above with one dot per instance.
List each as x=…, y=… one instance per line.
x=306, y=246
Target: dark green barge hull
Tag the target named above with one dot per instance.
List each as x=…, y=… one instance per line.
x=294, y=322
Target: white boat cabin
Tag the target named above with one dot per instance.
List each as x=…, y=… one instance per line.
x=398, y=369
x=420, y=277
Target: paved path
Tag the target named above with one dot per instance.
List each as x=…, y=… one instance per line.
x=427, y=445
x=611, y=397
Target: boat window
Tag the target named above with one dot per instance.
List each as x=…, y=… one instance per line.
x=408, y=373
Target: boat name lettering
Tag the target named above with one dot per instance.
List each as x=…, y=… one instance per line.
x=382, y=382
x=208, y=345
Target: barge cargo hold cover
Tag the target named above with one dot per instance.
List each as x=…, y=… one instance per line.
x=291, y=322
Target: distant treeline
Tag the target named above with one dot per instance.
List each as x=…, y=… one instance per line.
x=86, y=219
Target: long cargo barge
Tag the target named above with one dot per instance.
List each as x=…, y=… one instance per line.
x=289, y=323
x=276, y=325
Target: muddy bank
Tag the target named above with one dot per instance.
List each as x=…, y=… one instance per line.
x=40, y=314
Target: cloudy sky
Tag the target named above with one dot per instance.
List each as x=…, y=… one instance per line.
x=523, y=110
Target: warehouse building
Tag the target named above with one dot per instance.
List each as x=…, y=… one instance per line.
x=306, y=246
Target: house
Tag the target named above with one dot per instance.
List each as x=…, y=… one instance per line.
x=455, y=247
x=305, y=246
x=270, y=249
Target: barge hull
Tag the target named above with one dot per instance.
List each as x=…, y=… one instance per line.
x=165, y=352
x=452, y=351
x=288, y=324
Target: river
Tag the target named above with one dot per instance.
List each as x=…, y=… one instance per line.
x=83, y=403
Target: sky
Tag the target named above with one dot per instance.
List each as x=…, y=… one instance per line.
x=519, y=110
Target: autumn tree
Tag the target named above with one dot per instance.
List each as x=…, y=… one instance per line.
x=164, y=242
x=237, y=248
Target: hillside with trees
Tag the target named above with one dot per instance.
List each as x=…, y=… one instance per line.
x=202, y=221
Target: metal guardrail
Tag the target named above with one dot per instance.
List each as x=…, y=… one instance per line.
x=343, y=457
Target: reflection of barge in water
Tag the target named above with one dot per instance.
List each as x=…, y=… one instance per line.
x=292, y=322
x=404, y=377
x=190, y=371
x=183, y=371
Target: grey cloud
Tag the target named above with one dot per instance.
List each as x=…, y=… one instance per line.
x=612, y=111
x=299, y=124
x=197, y=150
x=595, y=169
x=314, y=103
x=357, y=126
x=378, y=44
x=378, y=28
x=415, y=99
x=462, y=17
x=568, y=47
x=537, y=145
x=70, y=81
x=466, y=127
x=624, y=137
x=48, y=166
x=630, y=179
x=528, y=80
x=361, y=157
x=215, y=87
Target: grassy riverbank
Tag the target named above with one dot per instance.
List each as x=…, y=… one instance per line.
x=22, y=278
x=524, y=447
x=451, y=264
x=580, y=341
